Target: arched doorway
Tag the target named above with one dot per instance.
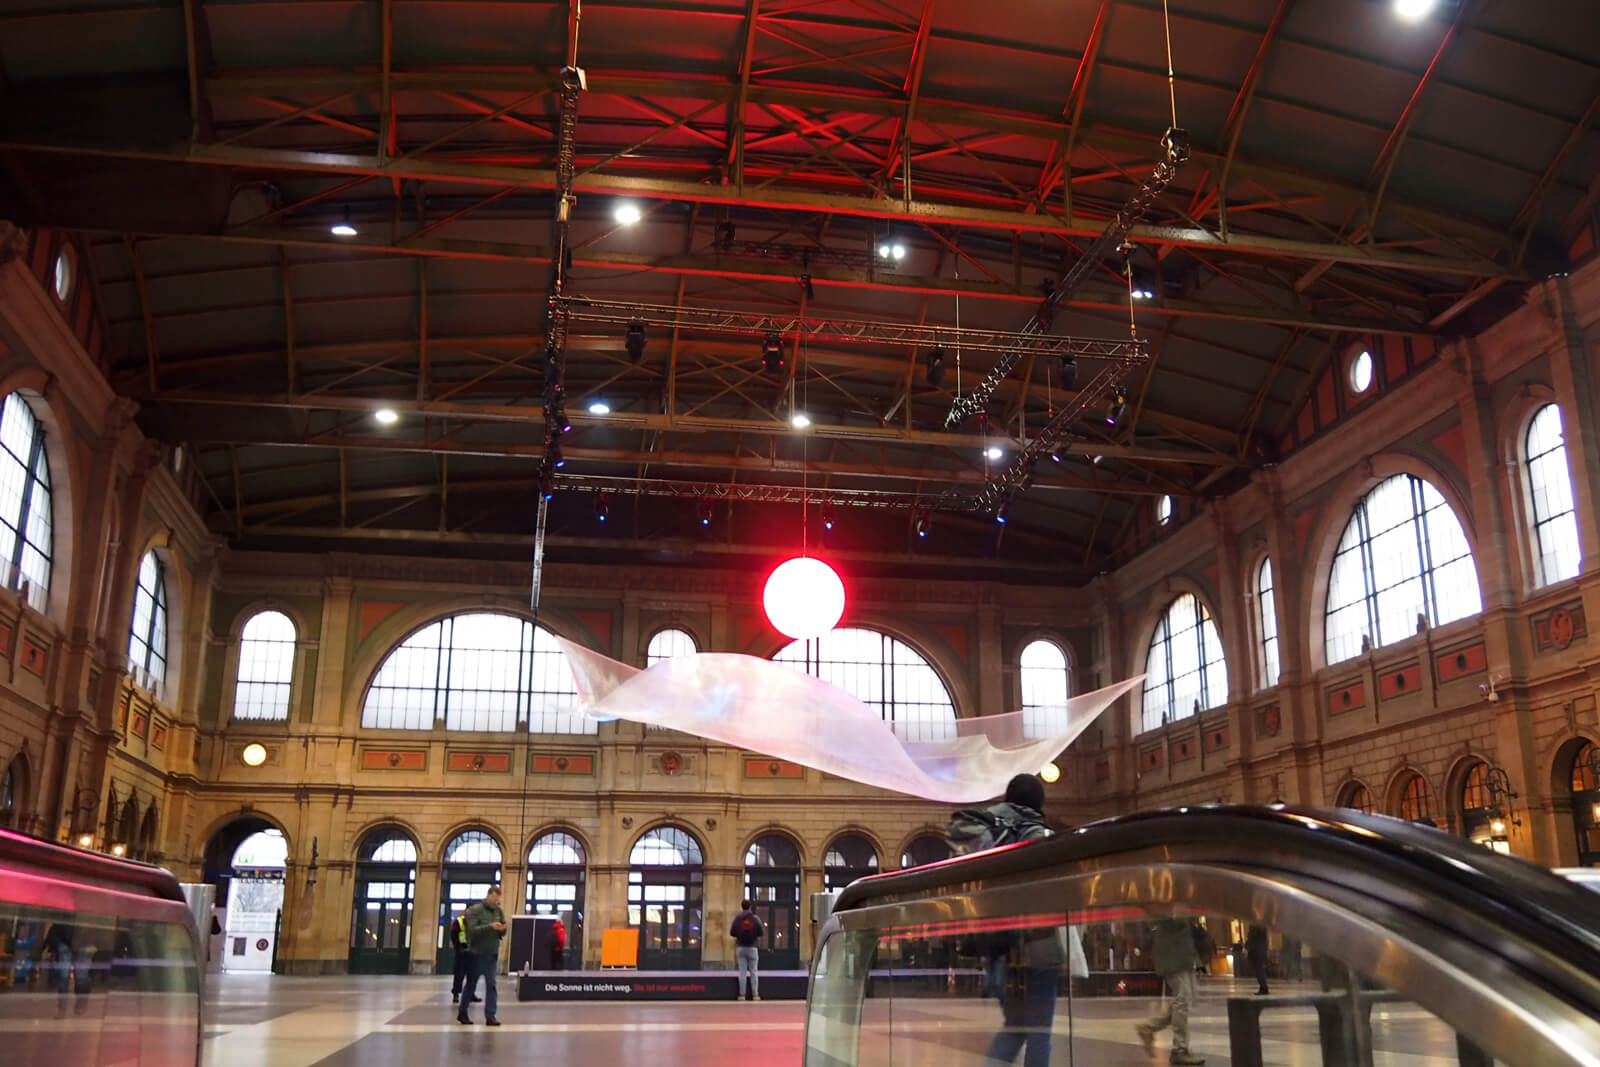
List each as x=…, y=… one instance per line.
x=145, y=847
x=1415, y=800
x=221, y=852
x=127, y=827
x=925, y=849
x=772, y=884
x=666, y=897
x=1355, y=797
x=557, y=872
x=1482, y=821
x=254, y=905
x=471, y=866
x=1586, y=803
x=851, y=856
x=386, y=884
x=13, y=787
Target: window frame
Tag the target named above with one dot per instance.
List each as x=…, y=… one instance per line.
x=1535, y=524
x=1269, y=646
x=1032, y=727
x=1162, y=634
x=811, y=662
x=37, y=462
x=159, y=621
x=664, y=631
x=289, y=682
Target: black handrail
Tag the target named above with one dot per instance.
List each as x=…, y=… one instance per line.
x=1473, y=888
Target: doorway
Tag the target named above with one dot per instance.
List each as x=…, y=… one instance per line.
x=772, y=885
x=471, y=868
x=380, y=920
x=557, y=874
x=666, y=897
x=254, y=907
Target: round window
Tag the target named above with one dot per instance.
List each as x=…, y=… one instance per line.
x=1164, y=510
x=62, y=281
x=1361, y=371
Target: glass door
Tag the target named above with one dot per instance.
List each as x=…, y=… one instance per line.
x=775, y=898
x=666, y=907
x=380, y=929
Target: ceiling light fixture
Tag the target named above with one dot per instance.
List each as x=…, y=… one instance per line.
x=898, y=251
x=1143, y=294
x=922, y=523
x=803, y=598
x=627, y=213
x=1069, y=372
x=119, y=850
x=935, y=358
x=553, y=453
x=1000, y=513
x=772, y=354
x=547, y=479
x=705, y=511
x=85, y=840
x=344, y=227
x=599, y=407
x=1050, y=773
x=994, y=452
x=386, y=416
x=827, y=517
x=800, y=420
x=1413, y=10
x=556, y=417
x=1119, y=404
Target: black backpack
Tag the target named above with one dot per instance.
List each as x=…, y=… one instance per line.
x=975, y=829
x=748, y=929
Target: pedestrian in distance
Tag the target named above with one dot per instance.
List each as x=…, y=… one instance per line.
x=1255, y=954
x=463, y=964
x=747, y=932
x=1175, y=960
x=486, y=926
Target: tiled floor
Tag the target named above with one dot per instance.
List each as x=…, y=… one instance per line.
x=255, y=1021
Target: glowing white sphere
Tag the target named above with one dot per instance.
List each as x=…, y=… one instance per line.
x=1050, y=773
x=804, y=598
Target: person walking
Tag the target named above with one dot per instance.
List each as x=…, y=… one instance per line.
x=485, y=925
x=463, y=950
x=747, y=933
x=1255, y=954
x=1175, y=960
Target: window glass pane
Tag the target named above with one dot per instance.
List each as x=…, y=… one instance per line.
x=147, y=630
x=1403, y=555
x=1266, y=605
x=556, y=849
x=667, y=644
x=666, y=846
x=266, y=667
x=1550, y=487
x=1043, y=680
x=887, y=675
x=26, y=537
x=473, y=846
x=1184, y=666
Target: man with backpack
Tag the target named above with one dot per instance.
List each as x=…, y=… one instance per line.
x=463, y=950
x=1023, y=969
x=747, y=933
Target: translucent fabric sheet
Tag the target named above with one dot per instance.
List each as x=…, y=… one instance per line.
x=778, y=711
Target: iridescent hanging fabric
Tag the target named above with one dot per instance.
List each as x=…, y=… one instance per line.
x=767, y=707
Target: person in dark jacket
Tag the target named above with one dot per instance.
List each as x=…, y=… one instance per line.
x=1175, y=960
x=1255, y=954
x=747, y=932
x=486, y=925
x=463, y=951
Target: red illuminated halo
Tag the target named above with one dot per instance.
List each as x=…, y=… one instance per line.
x=803, y=597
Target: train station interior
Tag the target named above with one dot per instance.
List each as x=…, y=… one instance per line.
x=386, y=383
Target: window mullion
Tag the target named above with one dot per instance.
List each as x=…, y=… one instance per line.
x=1430, y=596
x=441, y=681
x=1369, y=573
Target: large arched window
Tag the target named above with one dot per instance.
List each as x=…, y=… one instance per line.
x=1267, y=607
x=480, y=671
x=849, y=857
x=926, y=848
x=1416, y=799
x=26, y=537
x=887, y=675
x=1555, y=524
x=1042, y=674
x=1355, y=797
x=666, y=891
x=266, y=667
x=669, y=644
x=1184, y=669
x=1402, y=555
x=147, y=636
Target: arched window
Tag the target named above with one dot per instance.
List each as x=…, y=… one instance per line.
x=1355, y=797
x=474, y=847
x=666, y=846
x=925, y=849
x=26, y=537
x=557, y=849
x=11, y=796
x=1267, y=606
x=147, y=636
x=849, y=857
x=556, y=879
x=666, y=891
x=1402, y=555
x=668, y=644
x=1043, y=678
x=386, y=882
x=1555, y=524
x=772, y=885
x=1416, y=800
x=264, y=849
x=266, y=667
x=885, y=674
x=1184, y=670
x=480, y=671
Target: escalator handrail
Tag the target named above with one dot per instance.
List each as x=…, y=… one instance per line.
x=1520, y=898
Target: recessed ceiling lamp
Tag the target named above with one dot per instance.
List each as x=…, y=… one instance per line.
x=627, y=213
x=386, y=416
x=344, y=227
x=599, y=407
x=1412, y=10
x=800, y=420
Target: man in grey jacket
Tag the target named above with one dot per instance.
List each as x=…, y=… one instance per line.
x=1175, y=960
x=485, y=925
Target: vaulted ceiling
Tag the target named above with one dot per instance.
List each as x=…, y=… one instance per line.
x=1353, y=173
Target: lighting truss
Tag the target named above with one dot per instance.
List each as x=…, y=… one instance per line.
x=805, y=256
x=619, y=314
x=762, y=494
x=1175, y=145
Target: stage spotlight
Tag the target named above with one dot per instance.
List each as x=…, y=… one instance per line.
x=627, y=213
x=897, y=251
x=602, y=508
x=547, y=479
x=633, y=340
x=386, y=416
x=552, y=450
x=705, y=511
x=827, y=517
x=1069, y=372
x=1055, y=457
x=556, y=415
x=807, y=287
x=725, y=232
x=921, y=524
x=800, y=420
x=344, y=227
x=935, y=360
x=885, y=250
x=994, y=452
x=1000, y=513
x=772, y=354
x=1119, y=404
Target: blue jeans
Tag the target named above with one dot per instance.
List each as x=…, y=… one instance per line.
x=1029, y=1012
x=484, y=964
x=749, y=958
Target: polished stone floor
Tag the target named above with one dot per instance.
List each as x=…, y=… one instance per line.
x=260, y=1020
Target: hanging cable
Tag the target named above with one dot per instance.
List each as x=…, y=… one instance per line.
x=1172, y=75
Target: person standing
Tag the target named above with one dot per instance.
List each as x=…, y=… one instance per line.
x=1255, y=954
x=558, y=945
x=747, y=933
x=463, y=950
x=1175, y=960
x=486, y=925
